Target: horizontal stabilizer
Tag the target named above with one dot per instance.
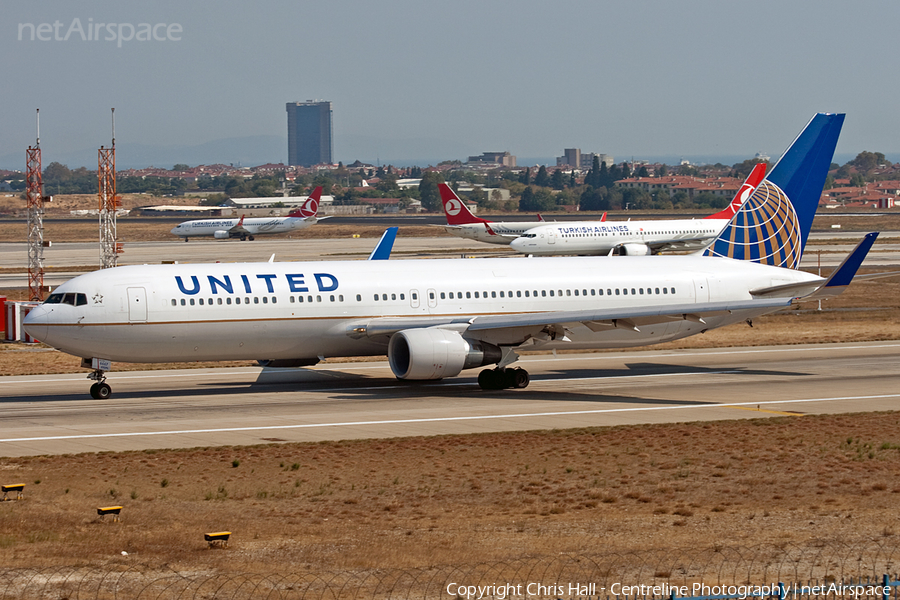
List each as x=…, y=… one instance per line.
x=832, y=286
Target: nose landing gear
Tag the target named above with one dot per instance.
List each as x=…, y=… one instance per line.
x=101, y=389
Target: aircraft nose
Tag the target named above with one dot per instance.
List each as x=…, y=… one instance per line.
x=175, y=229
x=518, y=244
x=35, y=322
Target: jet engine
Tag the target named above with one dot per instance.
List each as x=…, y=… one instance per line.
x=220, y=235
x=432, y=353
x=633, y=250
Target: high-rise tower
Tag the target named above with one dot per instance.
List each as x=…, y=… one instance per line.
x=309, y=133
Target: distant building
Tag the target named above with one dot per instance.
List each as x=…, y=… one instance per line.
x=503, y=159
x=309, y=133
x=574, y=158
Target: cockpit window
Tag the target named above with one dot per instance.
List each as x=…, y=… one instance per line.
x=75, y=299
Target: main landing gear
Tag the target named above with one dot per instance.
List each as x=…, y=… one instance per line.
x=501, y=379
x=101, y=389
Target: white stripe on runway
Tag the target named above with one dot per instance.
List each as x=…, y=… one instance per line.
x=436, y=419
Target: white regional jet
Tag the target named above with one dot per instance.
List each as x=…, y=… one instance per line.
x=632, y=238
x=434, y=318
x=223, y=229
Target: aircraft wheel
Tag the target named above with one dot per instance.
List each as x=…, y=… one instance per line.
x=243, y=238
x=520, y=378
x=101, y=391
x=490, y=379
x=251, y=238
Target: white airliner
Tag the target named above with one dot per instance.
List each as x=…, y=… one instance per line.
x=462, y=223
x=434, y=318
x=632, y=238
x=246, y=229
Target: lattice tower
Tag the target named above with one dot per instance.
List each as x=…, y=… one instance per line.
x=108, y=203
x=34, y=194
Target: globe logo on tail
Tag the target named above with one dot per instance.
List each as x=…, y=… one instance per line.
x=765, y=230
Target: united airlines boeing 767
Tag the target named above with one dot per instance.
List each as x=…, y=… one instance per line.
x=435, y=318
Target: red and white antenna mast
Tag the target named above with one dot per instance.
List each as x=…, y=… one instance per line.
x=108, y=201
x=34, y=194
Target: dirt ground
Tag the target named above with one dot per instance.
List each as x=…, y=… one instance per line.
x=455, y=500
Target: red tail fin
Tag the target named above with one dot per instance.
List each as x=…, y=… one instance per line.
x=603, y=218
x=753, y=179
x=310, y=207
x=456, y=212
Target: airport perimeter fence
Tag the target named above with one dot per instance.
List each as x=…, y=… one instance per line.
x=820, y=571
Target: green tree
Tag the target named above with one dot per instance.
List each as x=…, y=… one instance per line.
x=542, y=178
x=866, y=161
x=180, y=167
x=594, y=199
x=557, y=182
x=428, y=191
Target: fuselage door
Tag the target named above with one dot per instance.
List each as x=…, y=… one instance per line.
x=137, y=305
x=432, y=298
x=551, y=237
x=701, y=289
x=414, y=298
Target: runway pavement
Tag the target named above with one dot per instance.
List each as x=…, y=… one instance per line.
x=53, y=414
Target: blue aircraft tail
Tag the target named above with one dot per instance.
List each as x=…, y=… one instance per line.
x=773, y=224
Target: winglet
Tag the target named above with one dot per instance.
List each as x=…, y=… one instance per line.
x=456, y=212
x=383, y=249
x=603, y=217
x=843, y=275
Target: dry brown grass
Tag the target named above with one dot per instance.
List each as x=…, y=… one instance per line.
x=462, y=499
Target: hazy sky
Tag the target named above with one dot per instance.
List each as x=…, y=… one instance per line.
x=444, y=79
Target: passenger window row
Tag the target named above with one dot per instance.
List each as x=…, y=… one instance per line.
x=256, y=300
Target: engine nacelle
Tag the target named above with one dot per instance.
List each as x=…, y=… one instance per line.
x=221, y=234
x=432, y=353
x=633, y=250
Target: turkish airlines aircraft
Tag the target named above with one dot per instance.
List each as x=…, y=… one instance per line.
x=633, y=238
x=434, y=318
x=223, y=229
x=462, y=223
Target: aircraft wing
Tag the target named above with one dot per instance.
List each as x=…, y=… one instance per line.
x=678, y=244
x=551, y=324
x=239, y=229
